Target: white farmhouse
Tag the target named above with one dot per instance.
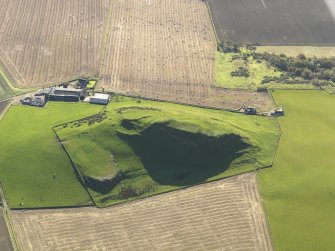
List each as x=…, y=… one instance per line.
x=100, y=98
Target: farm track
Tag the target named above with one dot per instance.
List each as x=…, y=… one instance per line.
x=43, y=42
x=222, y=214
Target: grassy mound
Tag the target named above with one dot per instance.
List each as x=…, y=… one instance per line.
x=174, y=156
x=141, y=147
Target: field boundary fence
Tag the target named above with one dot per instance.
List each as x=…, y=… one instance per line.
x=329, y=91
x=184, y=188
x=266, y=215
x=279, y=127
x=173, y=102
x=212, y=21
x=74, y=166
x=270, y=90
x=136, y=199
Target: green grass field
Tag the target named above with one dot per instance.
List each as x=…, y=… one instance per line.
x=299, y=190
x=31, y=155
x=145, y=147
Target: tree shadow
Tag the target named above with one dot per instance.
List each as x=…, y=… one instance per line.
x=176, y=157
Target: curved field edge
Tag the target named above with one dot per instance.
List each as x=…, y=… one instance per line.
x=34, y=170
x=298, y=191
x=7, y=89
x=105, y=146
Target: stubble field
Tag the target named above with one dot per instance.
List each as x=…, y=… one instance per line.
x=272, y=22
x=224, y=214
x=159, y=49
x=155, y=49
x=42, y=42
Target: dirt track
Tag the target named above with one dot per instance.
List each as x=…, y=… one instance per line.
x=224, y=215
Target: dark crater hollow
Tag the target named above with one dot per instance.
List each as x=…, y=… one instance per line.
x=177, y=157
x=104, y=185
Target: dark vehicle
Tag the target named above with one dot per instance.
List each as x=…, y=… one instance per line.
x=26, y=100
x=250, y=111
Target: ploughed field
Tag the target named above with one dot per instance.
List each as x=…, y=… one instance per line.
x=42, y=42
x=273, y=22
x=298, y=191
x=137, y=148
x=223, y=214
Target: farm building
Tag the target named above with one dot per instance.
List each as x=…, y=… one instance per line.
x=65, y=94
x=100, y=98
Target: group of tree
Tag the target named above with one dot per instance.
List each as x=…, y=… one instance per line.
x=317, y=71
x=241, y=72
x=295, y=70
x=229, y=47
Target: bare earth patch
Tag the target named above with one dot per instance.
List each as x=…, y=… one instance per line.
x=224, y=215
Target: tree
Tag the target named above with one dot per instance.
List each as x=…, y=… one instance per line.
x=307, y=74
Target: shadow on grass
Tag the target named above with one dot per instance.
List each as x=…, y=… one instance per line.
x=176, y=157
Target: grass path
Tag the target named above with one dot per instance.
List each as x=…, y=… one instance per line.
x=299, y=190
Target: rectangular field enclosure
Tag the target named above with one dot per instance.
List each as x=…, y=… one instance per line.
x=273, y=22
